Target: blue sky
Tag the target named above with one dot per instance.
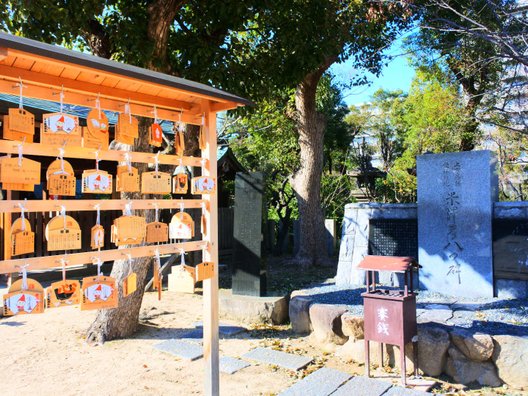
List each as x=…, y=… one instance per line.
x=396, y=75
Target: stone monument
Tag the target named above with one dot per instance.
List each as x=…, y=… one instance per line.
x=249, y=273
x=456, y=192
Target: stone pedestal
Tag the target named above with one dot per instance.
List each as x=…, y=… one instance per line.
x=456, y=192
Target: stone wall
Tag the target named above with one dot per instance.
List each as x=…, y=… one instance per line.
x=355, y=240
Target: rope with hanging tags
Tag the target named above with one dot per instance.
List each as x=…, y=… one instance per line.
x=128, y=111
x=21, y=87
x=22, y=215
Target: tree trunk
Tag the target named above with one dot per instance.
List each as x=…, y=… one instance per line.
x=306, y=181
x=123, y=321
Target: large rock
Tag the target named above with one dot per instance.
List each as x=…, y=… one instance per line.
x=354, y=351
x=326, y=323
x=511, y=358
x=475, y=346
x=352, y=326
x=395, y=357
x=251, y=309
x=432, y=349
x=465, y=371
x=300, y=315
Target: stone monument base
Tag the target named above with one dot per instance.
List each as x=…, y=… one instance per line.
x=250, y=309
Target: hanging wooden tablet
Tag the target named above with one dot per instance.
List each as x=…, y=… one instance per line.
x=127, y=129
x=181, y=226
x=127, y=179
x=97, y=237
x=61, y=179
x=19, y=171
x=63, y=233
x=203, y=185
x=22, y=238
x=99, y=292
x=96, y=135
x=155, y=183
x=60, y=128
x=180, y=183
x=130, y=284
x=24, y=299
x=203, y=271
x=128, y=230
x=202, y=137
x=203, y=224
x=63, y=293
x=179, y=143
x=96, y=181
x=155, y=135
x=19, y=124
x=157, y=232
x=158, y=275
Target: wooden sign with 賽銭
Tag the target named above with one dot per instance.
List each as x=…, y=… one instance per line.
x=59, y=129
x=61, y=178
x=19, y=124
x=99, y=292
x=157, y=232
x=181, y=226
x=203, y=185
x=128, y=230
x=127, y=179
x=155, y=183
x=96, y=181
x=96, y=135
x=22, y=238
x=63, y=233
x=24, y=301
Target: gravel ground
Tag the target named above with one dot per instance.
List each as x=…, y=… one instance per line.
x=489, y=315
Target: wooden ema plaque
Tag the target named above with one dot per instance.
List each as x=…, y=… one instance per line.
x=96, y=181
x=22, y=238
x=155, y=183
x=130, y=284
x=63, y=293
x=155, y=135
x=63, y=233
x=203, y=185
x=128, y=230
x=181, y=226
x=202, y=137
x=61, y=180
x=99, y=292
x=157, y=232
x=19, y=124
x=60, y=128
x=180, y=183
x=20, y=178
x=29, y=301
x=97, y=237
x=127, y=129
x=204, y=271
x=96, y=135
x=158, y=278
x=179, y=143
x=127, y=180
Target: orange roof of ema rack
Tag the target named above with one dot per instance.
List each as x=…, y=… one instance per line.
x=47, y=69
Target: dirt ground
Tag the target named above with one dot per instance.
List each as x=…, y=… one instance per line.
x=47, y=355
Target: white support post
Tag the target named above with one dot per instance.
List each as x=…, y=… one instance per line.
x=210, y=286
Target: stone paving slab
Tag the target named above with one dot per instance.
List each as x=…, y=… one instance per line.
x=320, y=383
x=194, y=335
x=399, y=391
x=231, y=365
x=363, y=386
x=181, y=349
x=282, y=359
x=224, y=329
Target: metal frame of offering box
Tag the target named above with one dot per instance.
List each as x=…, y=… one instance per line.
x=35, y=70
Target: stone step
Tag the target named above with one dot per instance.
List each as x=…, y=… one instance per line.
x=322, y=382
x=363, y=386
x=183, y=350
x=278, y=358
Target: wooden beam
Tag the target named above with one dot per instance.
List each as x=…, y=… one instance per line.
x=217, y=107
x=48, y=150
x=83, y=205
x=210, y=286
x=53, y=62
x=72, y=259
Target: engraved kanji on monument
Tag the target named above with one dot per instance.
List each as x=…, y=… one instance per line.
x=456, y=192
